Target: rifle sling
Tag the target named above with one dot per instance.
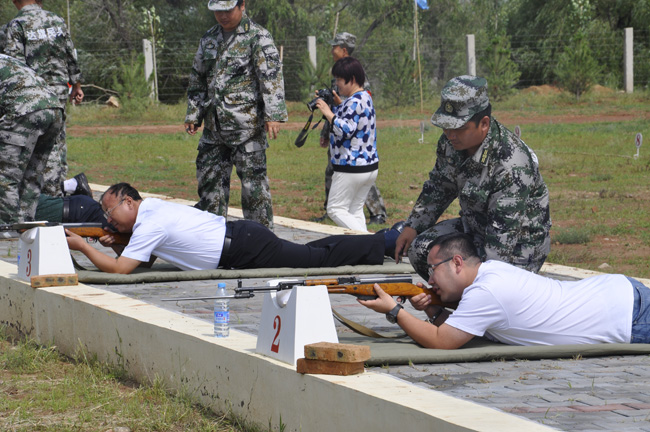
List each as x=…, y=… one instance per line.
x=361, y=329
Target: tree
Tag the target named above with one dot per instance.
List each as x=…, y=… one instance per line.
x=577, y=69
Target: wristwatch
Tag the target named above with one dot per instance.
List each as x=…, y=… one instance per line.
x=392, y=315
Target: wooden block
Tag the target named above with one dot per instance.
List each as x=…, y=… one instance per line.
x=54, y=280
x=307, y=366
x=337, y=352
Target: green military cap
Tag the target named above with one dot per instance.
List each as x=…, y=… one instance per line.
x=221, y=5
x=344, y=40
x=461, y=98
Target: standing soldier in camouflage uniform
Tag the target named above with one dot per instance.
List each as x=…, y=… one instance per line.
x=236, y=88
x=495, y=176
x=31, y=119
x=342, y=46
x=41, y=39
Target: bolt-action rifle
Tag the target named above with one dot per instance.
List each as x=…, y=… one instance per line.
x=362, y=288
x=92, y=230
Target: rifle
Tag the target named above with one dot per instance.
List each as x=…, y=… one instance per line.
x=363, y=288
x=92, y=230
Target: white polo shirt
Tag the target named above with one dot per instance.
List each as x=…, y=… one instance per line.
x=518, y=307
x=186, y=237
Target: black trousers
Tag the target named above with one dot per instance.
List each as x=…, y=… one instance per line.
x=255, y=246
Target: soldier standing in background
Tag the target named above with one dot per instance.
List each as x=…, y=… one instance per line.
x=32, y=118
x=342, y=46
x=41, y=39
x=236, y=88
x=495, y=176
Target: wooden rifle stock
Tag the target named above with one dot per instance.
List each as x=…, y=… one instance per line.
x=97, y=232
x=391, y=288
x=405, y=289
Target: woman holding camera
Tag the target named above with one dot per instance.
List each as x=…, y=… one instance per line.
x=353, y=145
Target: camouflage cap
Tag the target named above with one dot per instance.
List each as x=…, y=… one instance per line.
x=344, y=40
x=461, y=98
x=221, y=5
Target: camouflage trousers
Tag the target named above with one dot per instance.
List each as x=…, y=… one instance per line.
x=530, y=258
x=374, y=202
x=25, y=144
x=214, y=165
x=56, y=169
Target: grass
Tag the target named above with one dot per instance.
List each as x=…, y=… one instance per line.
x=598, y=189
x=44, y=391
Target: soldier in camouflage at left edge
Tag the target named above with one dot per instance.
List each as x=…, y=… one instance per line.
x=31, y=119
x=236, y=88
x=41, y=39
x=503, y=199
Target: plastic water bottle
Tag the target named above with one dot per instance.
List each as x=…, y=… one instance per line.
x=221, y=313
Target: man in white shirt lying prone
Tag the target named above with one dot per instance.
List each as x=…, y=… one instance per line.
x=192, y=239
x=517, y=307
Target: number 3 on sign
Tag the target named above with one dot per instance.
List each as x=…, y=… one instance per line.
x=277, y=324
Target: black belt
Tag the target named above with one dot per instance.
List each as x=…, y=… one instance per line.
x=224, y=261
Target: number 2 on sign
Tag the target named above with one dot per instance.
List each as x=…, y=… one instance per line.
x=277, y=324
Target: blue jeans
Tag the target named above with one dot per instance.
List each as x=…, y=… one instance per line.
x=640, y=313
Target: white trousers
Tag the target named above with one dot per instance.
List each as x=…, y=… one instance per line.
x=347, y=196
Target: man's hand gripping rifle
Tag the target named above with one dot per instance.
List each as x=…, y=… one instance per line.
x=362, y=288
x=92, y=230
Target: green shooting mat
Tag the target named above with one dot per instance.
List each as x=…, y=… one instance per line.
x=161, y=272
x=404, y=351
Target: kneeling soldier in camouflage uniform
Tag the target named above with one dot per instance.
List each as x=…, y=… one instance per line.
x=32, y=119
x=236, y=87
x=495, y=176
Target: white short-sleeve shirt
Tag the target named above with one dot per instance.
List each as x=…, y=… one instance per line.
x=186, y=237
x=517, y=307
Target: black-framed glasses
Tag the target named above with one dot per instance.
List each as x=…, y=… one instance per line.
x=432, y=267
x=107, y=213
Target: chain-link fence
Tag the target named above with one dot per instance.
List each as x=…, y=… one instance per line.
x=392, y=70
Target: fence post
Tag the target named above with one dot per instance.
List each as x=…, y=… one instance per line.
x=311, y=47
x=628, y=69
x=147, y=49
x=471, y=54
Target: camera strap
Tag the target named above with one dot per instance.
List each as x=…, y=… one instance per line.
x=302, y=136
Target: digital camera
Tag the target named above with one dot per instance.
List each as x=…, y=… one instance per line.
x=325, y=94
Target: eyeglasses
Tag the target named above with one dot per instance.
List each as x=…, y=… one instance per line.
x=432, y=267
x=107, y=213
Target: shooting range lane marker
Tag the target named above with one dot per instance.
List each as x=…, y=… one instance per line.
x=638, y=140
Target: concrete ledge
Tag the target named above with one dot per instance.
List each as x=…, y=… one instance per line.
x=226, y=374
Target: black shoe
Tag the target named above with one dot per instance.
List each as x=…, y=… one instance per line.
x=399, y=226
x=83, y=188
x=320, y=219
x=378, y=220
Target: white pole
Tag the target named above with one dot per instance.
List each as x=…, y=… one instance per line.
x=628, y=69
x=311, y=47
x=471, y=55
x=148, y=64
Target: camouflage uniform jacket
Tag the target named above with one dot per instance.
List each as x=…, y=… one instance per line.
x=40, y=38
x=22, y=91
x=502, y=195
x=236, y=86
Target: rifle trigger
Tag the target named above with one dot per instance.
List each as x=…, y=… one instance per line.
x=401, y=299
